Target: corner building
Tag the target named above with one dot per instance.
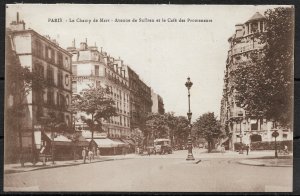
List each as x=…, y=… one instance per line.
x=53, y=64
x=234, y=119
x=92, y=67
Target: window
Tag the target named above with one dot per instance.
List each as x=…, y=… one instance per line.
x=50, y=76
x=59, y=79
x=254, y=126
x=52, y=56
x=50, y=97
x=261, y=26
x=67, y=100
x=96, y=70
x=57, y=99
x=38, y=49
x=284, y=136
x=59, y=59
x=67, y=79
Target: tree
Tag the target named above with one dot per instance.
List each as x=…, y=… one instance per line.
x=208, y=127
x=172, y=122
x=98, y=105
x=156, y=127
x=263, y=86
x=182, y=129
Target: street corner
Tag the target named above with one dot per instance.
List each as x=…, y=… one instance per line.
x=251, y=162
x=268, y=162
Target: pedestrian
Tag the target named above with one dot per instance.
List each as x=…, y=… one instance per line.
x=222, y=149
x=83, y=155
x=98, y=153
x=247, y=148
x=90, y=154
x=149, y=152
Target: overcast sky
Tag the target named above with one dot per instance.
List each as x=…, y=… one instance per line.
x=164, y=54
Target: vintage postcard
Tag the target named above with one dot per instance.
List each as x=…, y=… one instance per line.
x=149, y=98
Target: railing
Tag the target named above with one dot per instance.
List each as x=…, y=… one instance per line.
x=246, y=48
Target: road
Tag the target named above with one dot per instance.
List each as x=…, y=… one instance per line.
x=156, y=174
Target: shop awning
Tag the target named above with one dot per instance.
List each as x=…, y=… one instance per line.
x=119, y=142
x=104, y=143
x=59, y=140
x=128, y=142
x=82, y=142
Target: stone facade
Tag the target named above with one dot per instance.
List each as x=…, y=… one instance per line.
x=92, y=67
x=53, y=64
x=234, y=120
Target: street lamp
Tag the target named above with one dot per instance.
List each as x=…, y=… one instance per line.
x=240, y=117
x=190, y=156
x=275, y=134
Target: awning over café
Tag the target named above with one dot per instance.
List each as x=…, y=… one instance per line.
x=128, y=142
x=119, y=143
x=105, y=143
x=59, y=140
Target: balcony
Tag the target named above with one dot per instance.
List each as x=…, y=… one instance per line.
x=239, y=50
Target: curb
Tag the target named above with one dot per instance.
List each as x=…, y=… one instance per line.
x=11, y=171
x=257, y=163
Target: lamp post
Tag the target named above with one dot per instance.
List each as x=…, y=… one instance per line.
x=275, y=134
x=241, y=135
x=190, y=156
x=53, y=135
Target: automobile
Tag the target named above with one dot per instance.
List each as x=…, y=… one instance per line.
x=162, y=146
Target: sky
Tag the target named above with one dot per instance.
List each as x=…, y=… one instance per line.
x=164, y=54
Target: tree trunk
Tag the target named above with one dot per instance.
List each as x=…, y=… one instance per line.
x=21, y=148
x=92, y=128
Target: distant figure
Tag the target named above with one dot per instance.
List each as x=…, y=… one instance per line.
x=223, y=149
x=247, y=148
x=285, y=150
x=98, y=153
x=83, y=155
x=149, y=151
x=90, y=154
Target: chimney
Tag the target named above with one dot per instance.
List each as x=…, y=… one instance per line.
x=83, y=46
x=18, y=25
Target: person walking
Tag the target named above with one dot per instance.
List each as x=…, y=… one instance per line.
x=98, y=153
x=247, y=148
x=223, y=149
x=90, y=154
x=83, y=155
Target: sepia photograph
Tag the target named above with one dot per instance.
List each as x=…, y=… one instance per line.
x=148, y=98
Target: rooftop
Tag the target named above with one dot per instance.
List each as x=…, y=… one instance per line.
x=256, y=16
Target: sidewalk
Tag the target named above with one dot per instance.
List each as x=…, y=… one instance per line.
x=16, y=168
